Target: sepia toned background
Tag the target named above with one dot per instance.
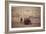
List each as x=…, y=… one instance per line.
x=24, y=12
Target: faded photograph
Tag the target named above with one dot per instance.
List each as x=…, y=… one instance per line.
x=25, y=16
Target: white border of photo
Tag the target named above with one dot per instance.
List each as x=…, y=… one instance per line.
x=26, y=28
